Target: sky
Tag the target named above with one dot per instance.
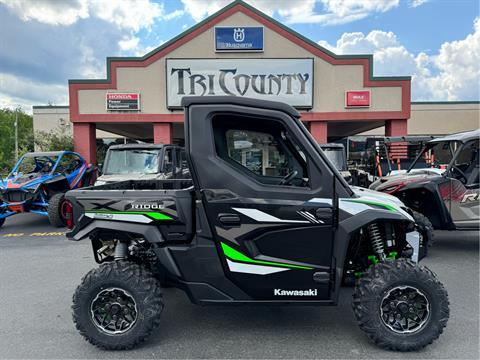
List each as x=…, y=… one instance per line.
x=43, y=43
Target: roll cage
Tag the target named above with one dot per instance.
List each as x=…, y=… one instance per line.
x=49, y=156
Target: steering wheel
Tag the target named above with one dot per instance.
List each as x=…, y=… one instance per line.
x=462, y=174
x=289, y=177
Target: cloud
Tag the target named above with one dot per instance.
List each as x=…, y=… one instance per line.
x=300, y=12
x=125, y=14
x=128, y=14
x=129, y=43
x=416, y=3
x=174, y=14
x=50, y=12
x=47, y=42
x=21, y=91
x=452, y=74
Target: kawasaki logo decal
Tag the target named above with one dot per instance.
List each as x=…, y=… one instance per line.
x=309, y=292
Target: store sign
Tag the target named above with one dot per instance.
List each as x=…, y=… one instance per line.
x=357, y=98
x=123, y=101
x=239, y=38
x=285, y=80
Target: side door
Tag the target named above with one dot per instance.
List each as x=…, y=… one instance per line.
x=258, y=181
x=465, y=194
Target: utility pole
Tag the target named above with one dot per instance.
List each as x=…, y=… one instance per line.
x=16, y=134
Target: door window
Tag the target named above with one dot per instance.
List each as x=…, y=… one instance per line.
x=265, y=152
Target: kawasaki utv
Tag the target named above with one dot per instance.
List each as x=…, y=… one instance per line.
x=266, y=219
x=442, y=183
x=38, y=182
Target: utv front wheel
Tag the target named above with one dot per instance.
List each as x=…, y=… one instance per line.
x=401, y=306
x=117, y=305
x=56, y=210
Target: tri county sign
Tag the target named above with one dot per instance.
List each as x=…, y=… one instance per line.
x=285, y=80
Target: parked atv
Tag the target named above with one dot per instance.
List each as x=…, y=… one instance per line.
x=38, y=183
x=443, y=183
x=266, y=219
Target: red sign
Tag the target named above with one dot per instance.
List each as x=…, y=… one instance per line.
x=123, y=101
x=357, y=98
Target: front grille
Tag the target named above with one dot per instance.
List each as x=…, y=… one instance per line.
x=16, y=196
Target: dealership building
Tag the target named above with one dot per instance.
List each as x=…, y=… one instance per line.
x=240, y=51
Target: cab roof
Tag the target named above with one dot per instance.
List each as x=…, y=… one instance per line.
x=242, y=101
x=45, y=153
x=137, y=146
x=462, y=137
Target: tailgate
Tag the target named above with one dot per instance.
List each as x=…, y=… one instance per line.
x=171, y=211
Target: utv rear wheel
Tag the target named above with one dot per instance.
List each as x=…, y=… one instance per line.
x=425, y=228
x=56, y=210
x=401, y=306
x=118, y=305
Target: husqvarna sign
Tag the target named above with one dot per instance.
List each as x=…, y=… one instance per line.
x=239, y=38
x=285, y=80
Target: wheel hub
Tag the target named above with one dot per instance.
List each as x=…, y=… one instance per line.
x=405, y=309
x=114, y=311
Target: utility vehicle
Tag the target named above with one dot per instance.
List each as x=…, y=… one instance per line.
x=442, y=183
x=265, y=219
x=38, y=182
x=143, y=161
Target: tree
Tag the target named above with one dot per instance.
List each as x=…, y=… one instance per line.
x=7, y=137
x=53, y=141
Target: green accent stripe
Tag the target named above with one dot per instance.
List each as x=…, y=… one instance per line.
x=367, y=202
x=235, y=255
x=151, y=214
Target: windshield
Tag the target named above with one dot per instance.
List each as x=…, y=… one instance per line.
x=132, y=161
x=336, y=156
x=35, y=164
x=437, y=155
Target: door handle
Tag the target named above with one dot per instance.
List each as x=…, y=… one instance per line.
x=229, y=219
x=324, y=214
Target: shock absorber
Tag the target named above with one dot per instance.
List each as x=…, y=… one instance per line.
x=376, y=240
x=121, y=249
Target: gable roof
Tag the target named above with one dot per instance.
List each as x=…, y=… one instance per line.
x=238, y=5
x=366, y=61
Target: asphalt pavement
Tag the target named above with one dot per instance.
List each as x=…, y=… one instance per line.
x=40, y=269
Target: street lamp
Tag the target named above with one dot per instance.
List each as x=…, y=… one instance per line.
x=16, y=133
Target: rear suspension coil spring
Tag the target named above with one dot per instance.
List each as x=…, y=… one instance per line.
x=377, y=240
